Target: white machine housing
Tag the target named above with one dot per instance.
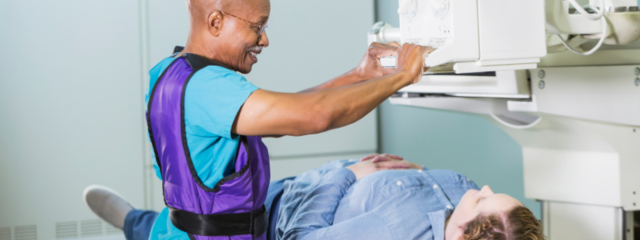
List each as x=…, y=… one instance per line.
x=475, y=36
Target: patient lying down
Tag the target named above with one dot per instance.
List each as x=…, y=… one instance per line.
x=381, y=197
x=393, y=199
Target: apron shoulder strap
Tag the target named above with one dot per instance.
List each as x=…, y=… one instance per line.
x=177, y=49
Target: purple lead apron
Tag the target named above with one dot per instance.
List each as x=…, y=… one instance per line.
x=234, y=207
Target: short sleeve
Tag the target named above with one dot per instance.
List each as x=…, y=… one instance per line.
x=213, y=98
x=154, y=74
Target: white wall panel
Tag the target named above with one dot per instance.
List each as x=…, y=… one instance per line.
x=69, y=88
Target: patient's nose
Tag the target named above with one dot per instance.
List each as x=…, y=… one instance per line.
x=486, y=191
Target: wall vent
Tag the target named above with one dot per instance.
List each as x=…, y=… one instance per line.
x=26, y=232
x=109, y=229
x=65, y=230
x=90, y=228
x=5, y=233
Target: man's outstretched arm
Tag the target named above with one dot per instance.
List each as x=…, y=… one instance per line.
x=296, y=114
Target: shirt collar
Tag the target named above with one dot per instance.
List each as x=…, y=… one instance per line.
x=438, y=220
x=198, y=62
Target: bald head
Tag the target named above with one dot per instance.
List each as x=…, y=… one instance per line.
x=228, y=31
x=200, y=10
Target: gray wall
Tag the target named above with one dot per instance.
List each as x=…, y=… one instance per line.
x=462, y=142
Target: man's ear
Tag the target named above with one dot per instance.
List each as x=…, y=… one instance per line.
x=215, y=23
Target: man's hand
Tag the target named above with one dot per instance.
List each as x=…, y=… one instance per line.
x=370, y=67
x=381, y=157
x=411, y=60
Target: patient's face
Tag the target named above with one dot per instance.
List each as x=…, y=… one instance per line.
x=474, y=203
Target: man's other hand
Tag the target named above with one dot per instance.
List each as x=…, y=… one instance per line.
x=411, y=60
x=370, y=66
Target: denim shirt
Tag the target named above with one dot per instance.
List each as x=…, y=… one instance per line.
x=328, y=203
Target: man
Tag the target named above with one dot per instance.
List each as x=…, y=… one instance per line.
x=205, y=120
x=379, y=198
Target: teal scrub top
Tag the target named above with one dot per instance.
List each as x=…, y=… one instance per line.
x=213, y=98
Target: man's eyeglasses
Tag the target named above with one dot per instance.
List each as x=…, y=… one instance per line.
x=258, y=27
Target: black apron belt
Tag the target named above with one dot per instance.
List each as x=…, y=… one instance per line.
x=254, y=222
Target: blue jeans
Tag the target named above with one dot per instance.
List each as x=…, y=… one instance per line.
x=138, y=223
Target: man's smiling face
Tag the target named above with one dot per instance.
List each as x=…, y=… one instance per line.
x=241, y=35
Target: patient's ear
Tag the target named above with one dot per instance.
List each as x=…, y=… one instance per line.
x=454, y=232
x=459, y=231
